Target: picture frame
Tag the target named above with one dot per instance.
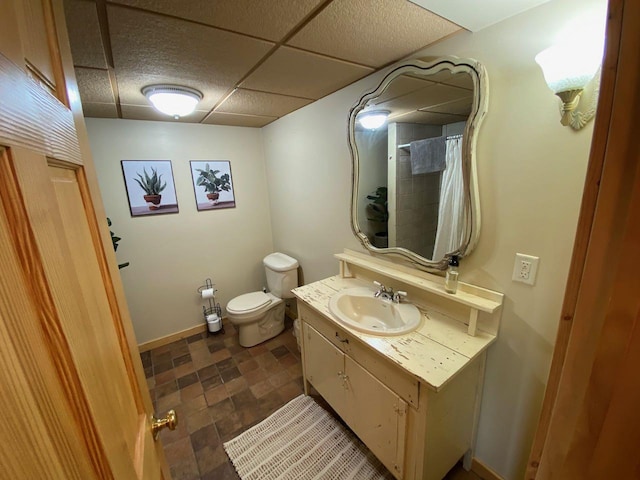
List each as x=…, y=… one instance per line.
x=212, y=184
x=150, y=187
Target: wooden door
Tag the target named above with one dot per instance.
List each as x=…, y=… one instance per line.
x=590, y=422
x=73, y=392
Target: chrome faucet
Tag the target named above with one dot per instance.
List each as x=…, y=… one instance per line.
x=383, y=291
x=388, y=293
x=398, y=296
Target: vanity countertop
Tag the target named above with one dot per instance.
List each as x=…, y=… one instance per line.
x=433, y=353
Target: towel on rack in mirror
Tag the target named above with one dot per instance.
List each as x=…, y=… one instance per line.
x=428, y=155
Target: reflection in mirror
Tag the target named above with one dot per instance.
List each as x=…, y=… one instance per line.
x=414, y=189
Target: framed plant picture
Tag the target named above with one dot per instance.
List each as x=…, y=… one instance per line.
x=150, y=187
x=212, y=184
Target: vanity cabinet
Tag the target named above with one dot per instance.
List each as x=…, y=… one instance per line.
x=413, y=399
x=376, y=414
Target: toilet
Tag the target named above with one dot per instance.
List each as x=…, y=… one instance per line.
x=259, y=316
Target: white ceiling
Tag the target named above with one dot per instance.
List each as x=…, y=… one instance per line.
x=475, y=15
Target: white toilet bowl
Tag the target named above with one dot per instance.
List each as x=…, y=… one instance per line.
x=259, y=316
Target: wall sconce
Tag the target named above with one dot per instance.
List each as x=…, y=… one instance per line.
x=568, y=71
x=373, y=119
x=173, y=100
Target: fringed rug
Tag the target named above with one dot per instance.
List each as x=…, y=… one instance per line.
x=302, y=441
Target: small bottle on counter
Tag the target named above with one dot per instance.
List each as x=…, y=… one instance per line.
x=451, y=278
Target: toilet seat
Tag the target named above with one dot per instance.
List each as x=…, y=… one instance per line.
x=248, y=303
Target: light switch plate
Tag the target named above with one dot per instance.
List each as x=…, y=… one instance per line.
x=525, y=269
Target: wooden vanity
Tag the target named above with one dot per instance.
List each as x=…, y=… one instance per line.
x=413, y=399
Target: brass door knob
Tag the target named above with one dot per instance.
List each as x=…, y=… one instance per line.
x=170, y=421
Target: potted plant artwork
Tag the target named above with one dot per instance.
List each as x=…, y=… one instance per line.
x=152, y=186
x=212, y=183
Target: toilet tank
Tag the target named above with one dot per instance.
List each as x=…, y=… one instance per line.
x=282, y=274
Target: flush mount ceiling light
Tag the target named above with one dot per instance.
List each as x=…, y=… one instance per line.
x=571, y=70
x=173, y=100
x=373, y=118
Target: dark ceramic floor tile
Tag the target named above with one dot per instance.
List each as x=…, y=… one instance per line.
x=166, y=389
x=280, y=351
x=216, y=345
x=269, y=403
x=229, y=426
x=185, y=470
x=244, y=399
x=230, y=374
x=223, y=472
x=187, y=380
x=162, y=367
x=221, y=409
x=211, y=382
x=207, y=372
x=226, y=364
x=194, y=338
x=146, y=359
x=207, y=435
x=161, y=357
x=181, y=360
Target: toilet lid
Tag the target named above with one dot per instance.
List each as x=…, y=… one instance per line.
x=248, y=302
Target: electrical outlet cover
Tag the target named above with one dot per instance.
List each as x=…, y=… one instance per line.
x=525, y=269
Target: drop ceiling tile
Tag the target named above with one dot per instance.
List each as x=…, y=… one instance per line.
x=461, y=80
x=270, y=20
x=251, y=102
x=400, y=86
x=140, y=112
x=426, y=97
x=84, y=34
x=372, y=32
x=235, y=120
x=99, y=110
x=457, y=107
x=302, y=74
x=150, y=49
x=94, y=85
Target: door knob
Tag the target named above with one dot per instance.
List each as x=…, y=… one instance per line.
x=170, y=421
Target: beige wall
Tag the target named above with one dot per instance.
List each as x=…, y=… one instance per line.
x=531, y=173
x=171, y=255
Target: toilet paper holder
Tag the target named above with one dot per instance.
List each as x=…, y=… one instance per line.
x=213, y=313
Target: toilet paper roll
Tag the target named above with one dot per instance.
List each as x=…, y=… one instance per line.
x=208, y=293
x=213, y=323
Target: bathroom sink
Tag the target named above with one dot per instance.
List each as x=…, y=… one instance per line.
x=359, y=309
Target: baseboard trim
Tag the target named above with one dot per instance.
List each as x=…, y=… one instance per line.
x=483, y=471
x=159, y=342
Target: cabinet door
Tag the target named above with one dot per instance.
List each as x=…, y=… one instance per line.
x=324, y=368
x=377, y=415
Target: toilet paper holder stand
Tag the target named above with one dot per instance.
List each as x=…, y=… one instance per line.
x=213, y=308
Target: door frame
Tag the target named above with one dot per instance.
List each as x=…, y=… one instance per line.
x=598, y=257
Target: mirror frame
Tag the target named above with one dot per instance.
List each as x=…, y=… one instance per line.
x=471, y=229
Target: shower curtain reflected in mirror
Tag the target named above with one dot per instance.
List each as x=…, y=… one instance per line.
x=451, y=209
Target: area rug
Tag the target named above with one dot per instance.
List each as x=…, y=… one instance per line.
x=302, y=441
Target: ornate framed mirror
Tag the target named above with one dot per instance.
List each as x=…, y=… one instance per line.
x=415, y=191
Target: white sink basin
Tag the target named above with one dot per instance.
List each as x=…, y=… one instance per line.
x=359, y=309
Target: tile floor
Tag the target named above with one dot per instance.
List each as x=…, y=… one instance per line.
x=219, y=389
